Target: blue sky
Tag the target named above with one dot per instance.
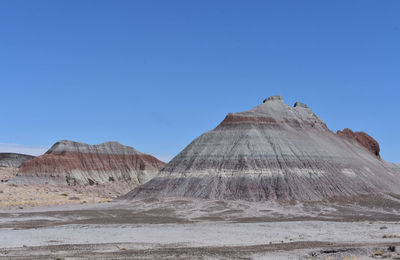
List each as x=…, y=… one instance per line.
x=157, y=74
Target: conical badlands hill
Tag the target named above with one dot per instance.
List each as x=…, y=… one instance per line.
x=74, y=163
x=277, y=152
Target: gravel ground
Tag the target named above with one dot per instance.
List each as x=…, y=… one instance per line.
x=198, y=229
x=203, y=234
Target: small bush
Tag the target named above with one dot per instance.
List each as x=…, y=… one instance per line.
x=390, y=236
x=378, y=253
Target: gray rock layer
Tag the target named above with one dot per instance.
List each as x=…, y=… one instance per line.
x=276, y=152
x=13, y=160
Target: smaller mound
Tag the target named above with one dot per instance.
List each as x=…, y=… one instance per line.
x=362, y=138
x=13, y=160
x=74, y=163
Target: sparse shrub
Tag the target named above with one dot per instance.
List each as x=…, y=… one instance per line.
x=59, y=257
x=390, y=236
x=377, y=253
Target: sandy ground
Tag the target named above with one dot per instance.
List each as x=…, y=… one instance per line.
x=199, y=229
x=33, y=195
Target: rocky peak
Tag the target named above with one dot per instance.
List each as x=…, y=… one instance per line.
x=273, y=98
x=299, y=104
x=274, y=112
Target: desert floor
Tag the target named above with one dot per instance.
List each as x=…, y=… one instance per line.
x=14, y=196
x=199, y=229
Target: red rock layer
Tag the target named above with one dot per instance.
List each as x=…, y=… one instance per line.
x=232, y=120
x=362, y=138
x=57, y=163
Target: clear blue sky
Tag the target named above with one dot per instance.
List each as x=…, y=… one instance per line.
x=157, y=74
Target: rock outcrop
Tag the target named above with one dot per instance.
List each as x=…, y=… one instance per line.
x=362, y=138
x=274, y=152
x=13, y=160
x=74, y=163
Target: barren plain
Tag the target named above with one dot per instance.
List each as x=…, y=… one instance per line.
x=199, y=229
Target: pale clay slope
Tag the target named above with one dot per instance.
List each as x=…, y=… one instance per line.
x=284, y=153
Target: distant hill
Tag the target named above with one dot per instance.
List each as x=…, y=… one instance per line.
x=73, y=163
x=13, y=160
